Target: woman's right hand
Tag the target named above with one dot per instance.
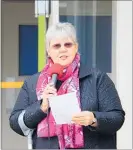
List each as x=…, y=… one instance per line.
x=49, y=91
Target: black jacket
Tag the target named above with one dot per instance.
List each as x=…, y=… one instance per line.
x=97, y=94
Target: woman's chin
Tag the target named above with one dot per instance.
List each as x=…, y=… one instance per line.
x=64, y=63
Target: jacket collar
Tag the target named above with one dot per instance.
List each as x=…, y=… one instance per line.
x=84, y=71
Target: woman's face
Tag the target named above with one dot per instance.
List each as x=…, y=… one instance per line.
x=62, y=50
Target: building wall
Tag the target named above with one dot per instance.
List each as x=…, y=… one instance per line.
x=124, y=69
x=14, y=14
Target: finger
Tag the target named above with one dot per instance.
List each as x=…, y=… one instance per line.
x=75, y=121
x=49, y=86
x=79, y=115
x=82, y=123
x=78, y=122
x=81, y=120
x=78, y=118
x=51, y=83
x=49, y=90
x=52, y=88
x=50, y=95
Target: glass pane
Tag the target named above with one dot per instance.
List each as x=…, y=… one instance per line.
x=92, y=20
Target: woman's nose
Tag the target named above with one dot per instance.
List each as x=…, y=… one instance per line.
x=63, y=48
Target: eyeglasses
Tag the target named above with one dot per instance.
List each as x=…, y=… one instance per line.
x=66, y=45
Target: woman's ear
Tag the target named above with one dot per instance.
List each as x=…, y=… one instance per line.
x=76, y=47
x=48, y=54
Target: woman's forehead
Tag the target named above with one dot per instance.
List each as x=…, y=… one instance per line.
x=60, y=39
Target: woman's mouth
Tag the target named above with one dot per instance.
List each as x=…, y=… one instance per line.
x=63, y=57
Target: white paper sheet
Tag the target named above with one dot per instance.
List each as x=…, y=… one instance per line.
x=63, y=107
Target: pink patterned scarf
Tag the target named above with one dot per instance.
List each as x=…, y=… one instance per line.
x=69, y=135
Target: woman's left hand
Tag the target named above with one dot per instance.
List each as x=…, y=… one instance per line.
x=84, y=118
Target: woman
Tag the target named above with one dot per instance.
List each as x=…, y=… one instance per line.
x=101, y=113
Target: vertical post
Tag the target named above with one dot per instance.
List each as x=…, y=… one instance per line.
x=124, y=69
x=54, y=18
x=41, y=42
x=42, y=11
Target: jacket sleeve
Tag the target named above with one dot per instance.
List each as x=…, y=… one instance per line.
x=33, y=114
x=110, y=116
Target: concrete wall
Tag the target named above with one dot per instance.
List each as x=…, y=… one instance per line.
x=124, y=69
x=13, y=14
